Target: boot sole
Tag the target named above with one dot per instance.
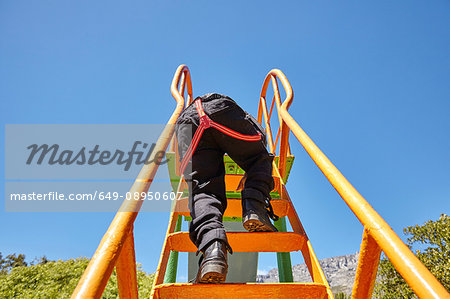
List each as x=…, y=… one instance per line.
x=212, y=273
x=255, y=225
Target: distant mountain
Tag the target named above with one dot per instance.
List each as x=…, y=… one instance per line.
x=340, y=272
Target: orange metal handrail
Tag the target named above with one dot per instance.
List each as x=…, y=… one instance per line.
x=96, y=275
x=282, y=140
x=376, y=231
x=283, y=130
x=178, y=94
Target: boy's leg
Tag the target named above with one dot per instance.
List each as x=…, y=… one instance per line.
x=207, y=198
x=254, y=159
x=256, y=208
x=205, y=177
x=207, y=202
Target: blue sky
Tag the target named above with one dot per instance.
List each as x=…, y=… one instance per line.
x=370, y=82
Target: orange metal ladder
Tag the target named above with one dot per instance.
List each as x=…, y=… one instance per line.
x=116, y=248
x=296, y=240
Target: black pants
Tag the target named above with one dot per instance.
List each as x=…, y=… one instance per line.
x=205, y=173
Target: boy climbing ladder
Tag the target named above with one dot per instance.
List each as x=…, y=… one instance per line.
x=218, y=126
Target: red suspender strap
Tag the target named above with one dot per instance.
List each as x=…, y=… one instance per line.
x=206, y=122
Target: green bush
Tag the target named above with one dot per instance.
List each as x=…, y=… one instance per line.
x=58, y=279
x=342, y=296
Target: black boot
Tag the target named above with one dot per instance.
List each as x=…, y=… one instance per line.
x=255, y=215
x=213, y=265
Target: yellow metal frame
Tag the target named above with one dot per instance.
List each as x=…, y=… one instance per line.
x=116, y=248
x=377, y=234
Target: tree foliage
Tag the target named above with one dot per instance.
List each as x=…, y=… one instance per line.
x=342, y=295
x=434, y=237
x=11, y=261
x=58, y=279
